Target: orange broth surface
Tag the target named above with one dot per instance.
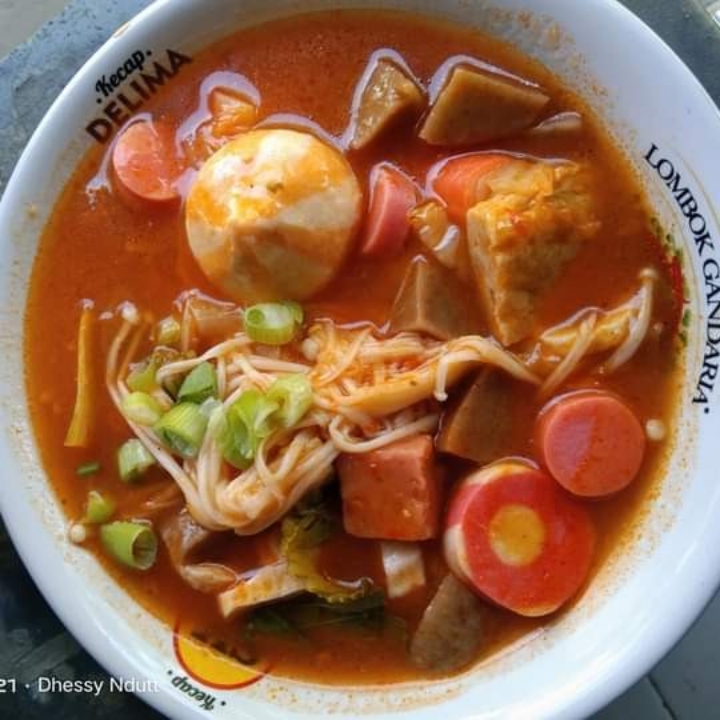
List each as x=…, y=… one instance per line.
x=97, y=248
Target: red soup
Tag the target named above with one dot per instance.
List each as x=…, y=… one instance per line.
x=364, y=351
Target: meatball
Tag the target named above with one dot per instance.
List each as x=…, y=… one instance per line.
x=272, y=215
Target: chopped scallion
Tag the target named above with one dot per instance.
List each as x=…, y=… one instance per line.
x=182, y=428
x=296, y=310
x=88, y=468
x=133, y=460
x=293, y=395
x=167, y=331
x=199, y=385
x=142, y=377
x=210, y=405
x=141, y=408
x=243, y=426
x=130, y=543
x=98, y=508
x=273, y=323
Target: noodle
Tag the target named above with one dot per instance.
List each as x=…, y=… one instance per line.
x=367, y=392
x=345, y=443
x=639, y=327
x=571, y=361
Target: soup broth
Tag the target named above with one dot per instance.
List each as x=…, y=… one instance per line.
x=99, y=248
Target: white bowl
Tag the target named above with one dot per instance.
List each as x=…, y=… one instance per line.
x=638, y=606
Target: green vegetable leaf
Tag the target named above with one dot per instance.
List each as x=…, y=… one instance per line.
x=296, y=617
x=362, y=613
x=268, y=621
x=303, y=532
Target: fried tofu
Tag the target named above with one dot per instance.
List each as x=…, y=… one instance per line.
x=477, y=107
x=521, y=237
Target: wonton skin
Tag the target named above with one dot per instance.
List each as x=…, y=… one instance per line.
x=272, y=215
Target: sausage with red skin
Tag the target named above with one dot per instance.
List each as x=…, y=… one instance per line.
x=144, y=163
x=516, y=537
x=392, y=196
x=591, y=442
x=459, y=181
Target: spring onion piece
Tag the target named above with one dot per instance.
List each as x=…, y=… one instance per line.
x=210, y=405
x=141, y=408
x=273, y=323
x=130, y=543
x=199, y=385
x=182, y=428
x=78, y=434
x=133, y=460
x=142, y=377
x=167, y=331
x=243, y=426
x=293, y=395
x=296, y=311
x=88, y=468
x=98, y=508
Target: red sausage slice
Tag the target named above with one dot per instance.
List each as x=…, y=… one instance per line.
x=458, y=181
x=144, y=164
x=591, y=443
x=392, y=196
x=518, y=539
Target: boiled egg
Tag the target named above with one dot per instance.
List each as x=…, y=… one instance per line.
x=272, y=215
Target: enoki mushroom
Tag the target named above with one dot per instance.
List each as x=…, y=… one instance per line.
x=367, y=392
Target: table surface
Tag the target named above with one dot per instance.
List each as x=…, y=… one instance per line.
x=33, y=642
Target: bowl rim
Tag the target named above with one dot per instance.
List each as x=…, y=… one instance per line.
x=636, y=661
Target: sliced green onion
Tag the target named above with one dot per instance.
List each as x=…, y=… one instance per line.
x=130, y=543
x=167, y=331
x=88, y=468
x=243, y=426
x=296, y=310
x=98, y=508
x=293, y=395
x=199, y=385
x=182, y=428
x=142, y=377
x=210, y=405
x=273, y=323
x=141, y=408
x=133, y=460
